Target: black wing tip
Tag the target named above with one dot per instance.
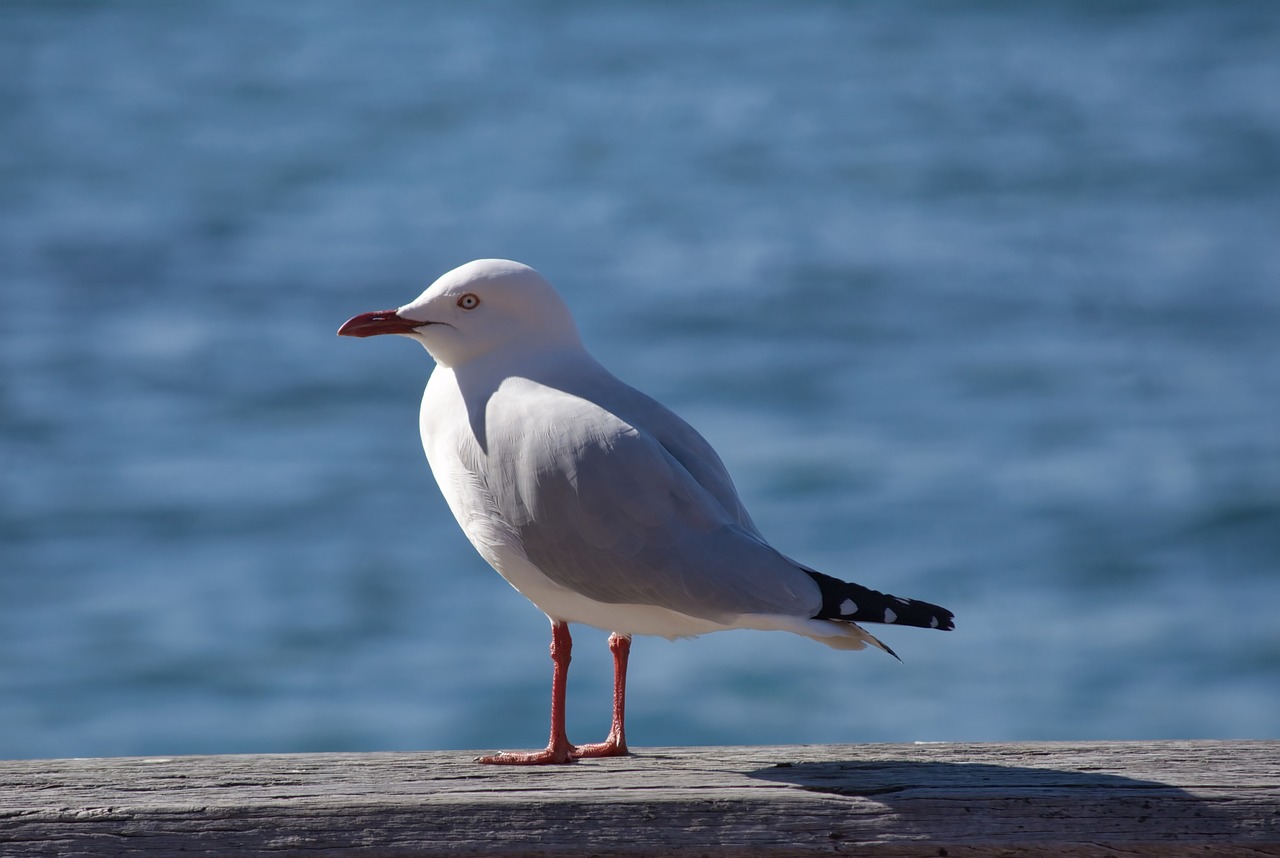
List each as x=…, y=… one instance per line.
x=853, y=603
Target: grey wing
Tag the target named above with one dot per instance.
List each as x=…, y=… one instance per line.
x=680, y=440
x=609, y=512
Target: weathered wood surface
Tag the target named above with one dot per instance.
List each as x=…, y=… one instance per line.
x=1122, y=799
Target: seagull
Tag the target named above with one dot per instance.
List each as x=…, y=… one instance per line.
x=594, y=501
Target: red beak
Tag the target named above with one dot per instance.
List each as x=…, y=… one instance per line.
x=378, y=322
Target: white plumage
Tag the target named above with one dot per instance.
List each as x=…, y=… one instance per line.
x=593, y=500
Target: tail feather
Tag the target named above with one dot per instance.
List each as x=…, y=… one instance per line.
x=853, y=603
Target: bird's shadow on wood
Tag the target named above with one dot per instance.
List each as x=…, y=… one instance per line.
x=870, y=778
x=982, y=800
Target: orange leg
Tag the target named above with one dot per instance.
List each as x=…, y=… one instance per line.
x=616, y=744
x=558, y=749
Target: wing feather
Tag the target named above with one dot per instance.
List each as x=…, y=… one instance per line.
x=604, y=508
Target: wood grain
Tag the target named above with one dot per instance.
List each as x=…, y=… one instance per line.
x=1121, y=799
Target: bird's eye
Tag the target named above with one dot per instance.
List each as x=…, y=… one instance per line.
x=468, y=302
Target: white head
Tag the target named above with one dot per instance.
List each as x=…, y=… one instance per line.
x=484, y=307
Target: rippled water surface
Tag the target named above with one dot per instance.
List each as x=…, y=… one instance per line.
x=979, y=303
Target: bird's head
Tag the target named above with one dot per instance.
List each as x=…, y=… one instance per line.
x=489, y=306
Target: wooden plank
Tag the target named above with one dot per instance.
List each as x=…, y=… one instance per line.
x=1143, y=798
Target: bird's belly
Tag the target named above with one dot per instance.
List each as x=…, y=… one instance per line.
x=476, y=512
x=560, y=603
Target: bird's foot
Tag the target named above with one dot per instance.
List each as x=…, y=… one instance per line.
x=526, y=758
x=556, y=754
x=551, y=755
x=607, y=748
x=613, y=746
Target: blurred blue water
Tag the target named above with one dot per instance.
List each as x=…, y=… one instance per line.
x=979, y=303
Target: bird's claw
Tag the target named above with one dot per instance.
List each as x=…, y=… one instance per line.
x=608, y=748
x=557, y=754
x=526, y=758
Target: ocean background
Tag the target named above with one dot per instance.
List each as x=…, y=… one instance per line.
x=979, y=302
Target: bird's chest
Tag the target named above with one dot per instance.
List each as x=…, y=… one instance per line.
x=474, y=470
x=456, y=458
x=476, y=475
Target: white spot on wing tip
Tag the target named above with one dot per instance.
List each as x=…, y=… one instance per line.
x=890, y=616
x=848, y=607
x=933, y=622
